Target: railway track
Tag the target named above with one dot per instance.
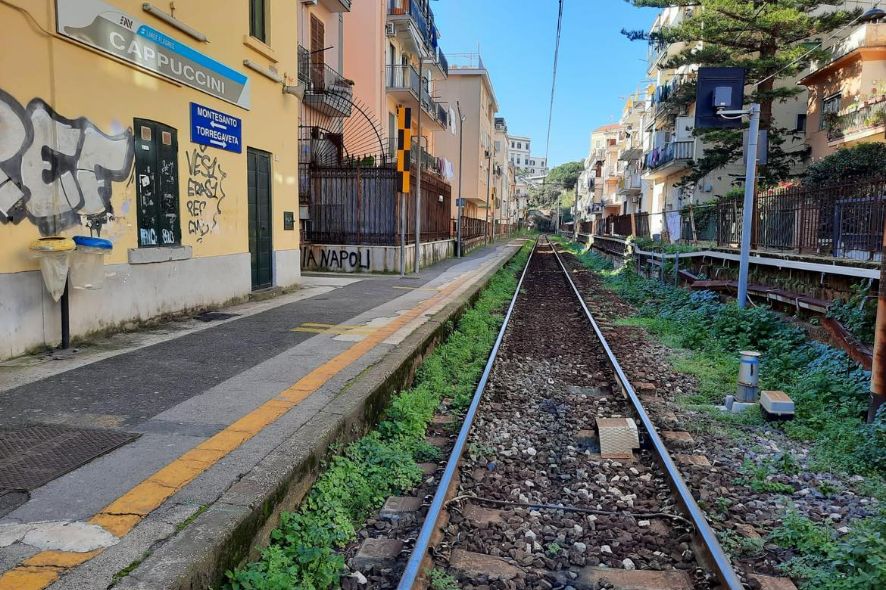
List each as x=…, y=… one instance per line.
x=526, y=499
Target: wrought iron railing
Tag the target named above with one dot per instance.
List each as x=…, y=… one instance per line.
x=357, y=205
x=321, y=80
x=866, y=117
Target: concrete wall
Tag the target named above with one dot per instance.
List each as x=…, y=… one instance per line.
x=342, y=258
x=29, y=317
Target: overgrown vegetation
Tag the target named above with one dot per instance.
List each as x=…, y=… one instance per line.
x=831, y=394
x=822, y=560
x=305, y=548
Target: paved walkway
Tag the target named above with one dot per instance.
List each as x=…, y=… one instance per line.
x=207, y=403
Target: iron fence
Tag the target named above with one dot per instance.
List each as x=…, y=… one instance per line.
x=471, y=228
x=355, y=205
x=842, y=220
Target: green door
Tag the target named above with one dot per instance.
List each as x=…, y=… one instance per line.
x=258, y=168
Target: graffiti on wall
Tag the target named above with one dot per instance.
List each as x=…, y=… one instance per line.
x=57, y=172
x=205, y=192
x=343, y=260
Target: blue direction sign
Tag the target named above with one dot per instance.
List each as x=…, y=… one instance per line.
x=215, y=128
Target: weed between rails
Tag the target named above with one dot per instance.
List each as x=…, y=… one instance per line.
x=831, y=395
x=304, y=551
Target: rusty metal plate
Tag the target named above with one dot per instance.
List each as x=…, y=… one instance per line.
x=31, y=456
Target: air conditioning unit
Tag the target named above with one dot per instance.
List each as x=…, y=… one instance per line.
x=389, y=30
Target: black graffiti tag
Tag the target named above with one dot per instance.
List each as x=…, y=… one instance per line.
x=54, y=170
x=205, y=192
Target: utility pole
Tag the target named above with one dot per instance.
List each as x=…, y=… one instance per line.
x=459, y=202
x=488, y=189
x=747, y=213
x=421, y=157
x=878, y=370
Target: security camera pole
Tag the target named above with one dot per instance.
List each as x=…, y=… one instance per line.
x=718, y=92
x=748, y=208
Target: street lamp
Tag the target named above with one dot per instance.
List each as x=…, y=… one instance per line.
x=459, y=201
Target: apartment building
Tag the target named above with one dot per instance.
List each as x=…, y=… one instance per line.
x=470, y=87
x=519, y=150
x=161, y=135
x=538, y=166
x=393, y=57
x=328, y=98
x=630, y=154
x=847, y=92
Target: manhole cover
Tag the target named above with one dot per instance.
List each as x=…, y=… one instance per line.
x=31, y=456
x=215, y=316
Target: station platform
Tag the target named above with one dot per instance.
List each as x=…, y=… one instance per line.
x=138, y=459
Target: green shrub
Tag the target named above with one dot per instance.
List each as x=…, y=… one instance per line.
x=864, y=159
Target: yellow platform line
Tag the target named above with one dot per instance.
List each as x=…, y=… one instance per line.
x=120, y=516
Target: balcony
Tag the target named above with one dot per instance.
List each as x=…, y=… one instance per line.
x=405, y=84
x=861, y=122
x=630, y=184
x=337, y=5
x=669, y=157
x=867, y=35
x=414, y=26
x=326, y=91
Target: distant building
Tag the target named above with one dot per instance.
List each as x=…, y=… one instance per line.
x=847, y=93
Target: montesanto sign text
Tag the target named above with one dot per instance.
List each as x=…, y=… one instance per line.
x=104, y=27
x=215, y=128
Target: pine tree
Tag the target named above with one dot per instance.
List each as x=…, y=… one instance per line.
x=775, y=40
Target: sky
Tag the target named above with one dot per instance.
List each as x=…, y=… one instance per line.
x=598, y=66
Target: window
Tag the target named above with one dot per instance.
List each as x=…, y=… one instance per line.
x=519, y=146
x=801, y=123
x=830, y=106
x=257, y=20
x=498, y=146
x=156, y=172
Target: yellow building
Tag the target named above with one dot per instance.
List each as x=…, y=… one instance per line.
x=172, y=133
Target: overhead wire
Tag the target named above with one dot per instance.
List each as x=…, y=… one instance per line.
x=553, y=90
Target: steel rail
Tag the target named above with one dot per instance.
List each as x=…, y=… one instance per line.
x=413, y=566
x=722, y=567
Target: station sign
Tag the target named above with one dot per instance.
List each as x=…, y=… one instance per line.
x=112, y=31
x=216, y=129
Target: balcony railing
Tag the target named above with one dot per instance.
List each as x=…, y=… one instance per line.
x=325, y=89
x=867, y=117
x=406, y=78
x=442, y=61
x=670, y=152
x=424, y=23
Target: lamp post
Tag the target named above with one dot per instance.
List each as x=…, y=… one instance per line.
x=459, y=201
x=488, y=189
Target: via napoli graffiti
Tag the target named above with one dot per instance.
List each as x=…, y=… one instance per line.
x=341, y=259
x=56, y=171
x=205, y=192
